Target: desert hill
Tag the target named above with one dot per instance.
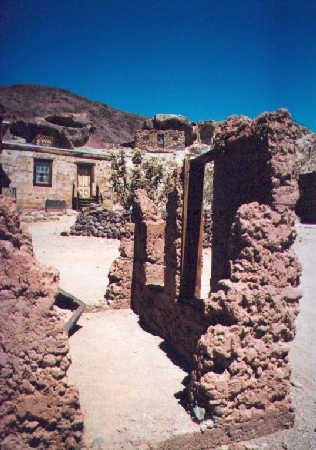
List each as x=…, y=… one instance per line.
x=26, y=101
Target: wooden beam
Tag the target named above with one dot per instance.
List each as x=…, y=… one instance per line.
x=192, y=231
x=204, y=158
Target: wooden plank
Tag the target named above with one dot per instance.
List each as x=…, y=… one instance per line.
x=204, y=158
x=68, y=298
x=198, y=280
x=193, y=233
x=186, y=169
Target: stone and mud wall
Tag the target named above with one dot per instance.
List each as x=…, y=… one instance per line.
x=118, y=293
x=238, y=339
x=39, y=404
x=159, y=140
x=100, y=222
x=242, y=369
x=156, y=276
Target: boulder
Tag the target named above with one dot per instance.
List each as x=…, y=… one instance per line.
x=148, y=124
x=69, y=120
x=63, y=136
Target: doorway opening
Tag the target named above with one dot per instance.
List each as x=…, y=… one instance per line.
x=84, y=180
x=242, y=174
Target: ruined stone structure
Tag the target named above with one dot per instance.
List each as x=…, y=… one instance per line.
x=171, y=132
x=118, y=294
x=237, y=340
x=39, y=405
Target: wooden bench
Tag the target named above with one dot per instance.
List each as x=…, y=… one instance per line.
x=55, y=205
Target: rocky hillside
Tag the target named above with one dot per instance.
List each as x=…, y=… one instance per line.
x=26, y=101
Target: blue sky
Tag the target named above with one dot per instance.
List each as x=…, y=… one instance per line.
x=205, y=59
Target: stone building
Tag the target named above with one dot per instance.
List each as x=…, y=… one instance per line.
x=159, y=140
x=37, y=173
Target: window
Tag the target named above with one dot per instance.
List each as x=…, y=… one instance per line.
x=161, y=140
x=43, y=170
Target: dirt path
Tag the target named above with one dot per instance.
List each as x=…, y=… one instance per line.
x=83, y=262
x=128, y=384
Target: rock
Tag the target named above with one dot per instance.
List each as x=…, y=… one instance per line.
x=296, y=384
x=206, y=131
x=199, y=413
x=98, y=442
x=62, y=136
x=69, y=120
x=209, y=424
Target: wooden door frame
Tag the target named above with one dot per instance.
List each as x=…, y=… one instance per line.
x=193, y=225
x=91, y=167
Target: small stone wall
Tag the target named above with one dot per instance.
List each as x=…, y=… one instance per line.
x=149, y=140
x=42, y=215
x=39, y=405
x=100, y=222
x=156, y=276
x=118, y=294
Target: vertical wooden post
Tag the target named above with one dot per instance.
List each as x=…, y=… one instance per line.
x=192, y=244
x=186, y=179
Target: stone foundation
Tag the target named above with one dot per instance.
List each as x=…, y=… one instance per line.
x=39, y=405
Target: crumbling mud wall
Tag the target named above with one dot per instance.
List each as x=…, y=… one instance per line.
x=239, y=337
x=156, y=276
x=39, y=405
x=118, y=293
x=242, y=370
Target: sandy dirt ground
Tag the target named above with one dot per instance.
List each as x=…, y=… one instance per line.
x=128, y=385
x=83, y=262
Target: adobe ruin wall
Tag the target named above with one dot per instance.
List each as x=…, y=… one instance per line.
x=238, y=339
x=39, y=404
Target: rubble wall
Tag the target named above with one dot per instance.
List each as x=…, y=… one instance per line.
x=118, y=293
x=242, y=369
x=148, y=140
x=39, y=405
x=156, y=276
x=100, y=222
x=239, y=337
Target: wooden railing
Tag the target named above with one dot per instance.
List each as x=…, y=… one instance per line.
x=76, y=197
